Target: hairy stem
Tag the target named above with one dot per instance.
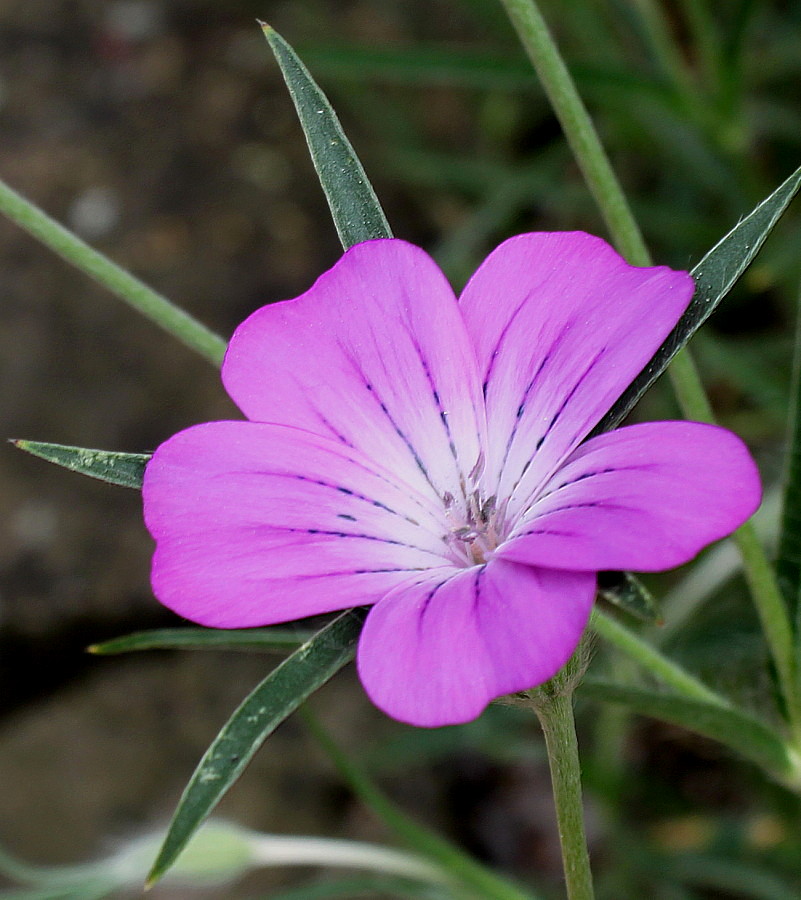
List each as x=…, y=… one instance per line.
x=555, y=713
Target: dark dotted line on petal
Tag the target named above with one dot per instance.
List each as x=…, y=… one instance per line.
x=337, y=434
x=443, y=415
x=384, y=409
x=381, y=571
x=325, y=532
x=608, y=470
x=521, y=409
x=502, y=338
x=407, y=490
x=400, y=434
x=554, y=418
x=477, y=587
x=554, y=531
x=427, y=602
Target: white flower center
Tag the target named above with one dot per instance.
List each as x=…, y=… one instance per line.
x=477, y=528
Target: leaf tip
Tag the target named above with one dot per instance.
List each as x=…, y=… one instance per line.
x=265, y=27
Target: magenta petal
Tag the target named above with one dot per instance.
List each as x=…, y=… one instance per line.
x=437, y=650
x=374, y=355
x=561, y=325
x=647, y=497
x=259, y=523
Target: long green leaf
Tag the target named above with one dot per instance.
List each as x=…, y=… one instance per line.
x=205, y=639
x=279, y=695
x=357, y=214
x=126, y=469
x=714, y=277
x=733, y=728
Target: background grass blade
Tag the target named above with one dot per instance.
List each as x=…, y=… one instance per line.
x=279, y=695
x=362, y=886
x=205, y=639
x=714, y=277
x=734, y=729
x=476, y=879
x=125, y=469
x=357, y=214
x=788, y=563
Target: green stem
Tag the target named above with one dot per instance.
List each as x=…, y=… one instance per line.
x=558, y=725
x=652, y=660
x=603, y=183
x=578, y=128
x=134, y=292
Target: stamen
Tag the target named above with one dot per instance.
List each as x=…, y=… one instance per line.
x=476, y=529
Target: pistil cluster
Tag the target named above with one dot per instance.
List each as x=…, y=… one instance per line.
x=476, y=527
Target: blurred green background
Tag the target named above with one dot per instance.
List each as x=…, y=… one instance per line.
x=162, y=133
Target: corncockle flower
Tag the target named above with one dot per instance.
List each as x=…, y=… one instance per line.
x=427, y=456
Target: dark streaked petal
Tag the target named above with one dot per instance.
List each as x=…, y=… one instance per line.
x=436, y=650
x=374, y=355
x=258, y=523
x=647, y=497
x=561, y=324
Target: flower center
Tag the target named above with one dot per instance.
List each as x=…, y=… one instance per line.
x=476, y=528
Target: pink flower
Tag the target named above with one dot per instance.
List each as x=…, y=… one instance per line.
x=426, y=456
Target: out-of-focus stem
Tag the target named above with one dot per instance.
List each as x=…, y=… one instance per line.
x=120, y=282
x=591, y=157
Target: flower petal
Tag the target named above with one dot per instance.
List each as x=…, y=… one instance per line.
x=436, y=650
x=561, y=325
x=259, y=523
x=374, y=355
x=647, y=497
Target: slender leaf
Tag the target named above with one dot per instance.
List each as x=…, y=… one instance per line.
x=714, y=277
x=735, y=729
x=205, y=639
x=279, y=695
x=357, y=214
x=626, y=592
x=125, y=469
